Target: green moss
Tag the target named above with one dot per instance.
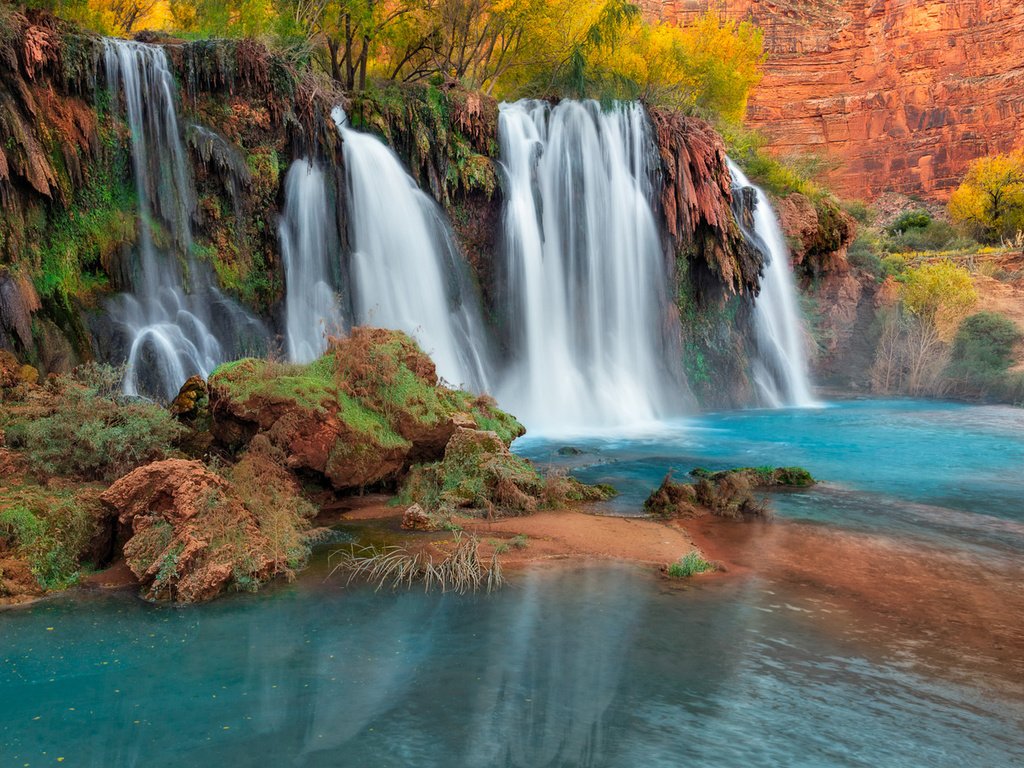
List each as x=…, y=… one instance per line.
x=421, y=122
x=69, y=244
x=764, y=476
x=310, y=386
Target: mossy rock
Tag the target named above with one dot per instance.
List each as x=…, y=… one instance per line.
x=478, y=475
x=728, y=493
x=762, y=477
x=360, y=415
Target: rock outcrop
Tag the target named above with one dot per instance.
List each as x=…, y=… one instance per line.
x=359, y=416
x=189, y=536
x=904, y=93
x=696, y=201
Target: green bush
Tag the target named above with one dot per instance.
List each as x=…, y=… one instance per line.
x=864, y=252
x=909, y=220
x=982, y=355
x=934, y=236
x=49, y=529
x=688, y=565
x=984, y=342
x=90, y=435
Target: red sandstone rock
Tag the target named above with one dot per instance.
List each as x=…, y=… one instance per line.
x=904, y=93
x=818, y=237
x=696, y=199
x=189, y=536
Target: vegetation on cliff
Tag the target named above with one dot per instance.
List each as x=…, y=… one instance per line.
x=989, y=203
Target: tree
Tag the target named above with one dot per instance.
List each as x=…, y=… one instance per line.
x=914, y=348
x=941, y=294
x=990, y=201
x=132, y=14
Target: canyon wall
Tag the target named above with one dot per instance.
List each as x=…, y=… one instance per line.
x=902, y=94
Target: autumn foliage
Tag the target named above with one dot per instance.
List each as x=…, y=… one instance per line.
x=507, y=48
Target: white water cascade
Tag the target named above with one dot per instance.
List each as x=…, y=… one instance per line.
x=169, y=330
x=406, y=271
x=587, y=285
x=308, y=244
x=780, y=369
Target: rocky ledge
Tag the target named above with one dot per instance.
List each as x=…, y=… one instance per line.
x=222, y=491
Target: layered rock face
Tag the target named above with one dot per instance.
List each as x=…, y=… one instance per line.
x=902, y=93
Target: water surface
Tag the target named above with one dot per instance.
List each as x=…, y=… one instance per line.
x=600, y=665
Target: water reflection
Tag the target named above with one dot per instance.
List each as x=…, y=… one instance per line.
x=600, y=666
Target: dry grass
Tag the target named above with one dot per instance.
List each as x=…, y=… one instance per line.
x=461, y=571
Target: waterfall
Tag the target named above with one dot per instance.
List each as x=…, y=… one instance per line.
x=587, y=301
x=306, y=233
x=406, y=272
x=170, y=331
x=779, y=369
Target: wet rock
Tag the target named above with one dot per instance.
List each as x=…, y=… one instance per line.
x=191, y=402
x=673, y=499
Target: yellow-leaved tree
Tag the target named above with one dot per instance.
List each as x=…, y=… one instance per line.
x=940, y=294
x=990, y=201
x=914, y=348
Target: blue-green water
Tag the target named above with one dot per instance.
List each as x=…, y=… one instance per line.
x=947, y=473
x=591, y=666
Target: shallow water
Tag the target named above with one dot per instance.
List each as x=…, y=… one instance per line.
x=600, y=665
x=950, y=474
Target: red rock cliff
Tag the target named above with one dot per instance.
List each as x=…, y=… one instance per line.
x=903, y=93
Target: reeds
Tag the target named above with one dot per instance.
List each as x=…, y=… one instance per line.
x=392, y=567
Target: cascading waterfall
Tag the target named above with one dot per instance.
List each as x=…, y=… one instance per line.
x=308, y=243
x=170, y=331
x=587, y=286
x=780, y=369
x=406, y=272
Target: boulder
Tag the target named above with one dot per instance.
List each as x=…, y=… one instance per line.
x=191, y=401
x=359, y=416
x=415, y=518
x=17, y=583
x=478, y=474
x=189, y=537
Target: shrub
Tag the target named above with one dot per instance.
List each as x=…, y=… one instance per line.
x=984, y=342
x=863, y=254
x=982, y=354
x=940, y=294
x=271, y=494
x=82, y=433
x=909, y=220
x=688, y=565
x=933, y=236
x=50, y=530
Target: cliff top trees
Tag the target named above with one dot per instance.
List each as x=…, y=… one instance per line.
x=602, y=49
x=990, y=201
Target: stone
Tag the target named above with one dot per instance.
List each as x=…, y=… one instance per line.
x=415, y=518
x=188, y=536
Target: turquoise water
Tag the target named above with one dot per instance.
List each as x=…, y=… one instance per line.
x=591, y=666
x=950, y=474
